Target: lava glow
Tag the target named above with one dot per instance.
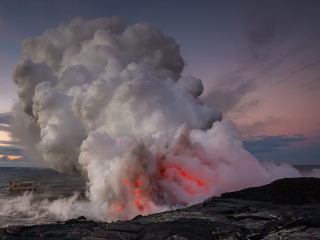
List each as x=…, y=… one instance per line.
x=192, y=182
x=110, y=101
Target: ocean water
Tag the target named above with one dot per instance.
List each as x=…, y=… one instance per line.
x=29, y=208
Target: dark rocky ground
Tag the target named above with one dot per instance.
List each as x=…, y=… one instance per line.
x=295, y=191
x=287, y=209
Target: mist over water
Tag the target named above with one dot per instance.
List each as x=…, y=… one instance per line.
x=109, y=101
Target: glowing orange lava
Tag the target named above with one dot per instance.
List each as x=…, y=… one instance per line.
x=191, y=178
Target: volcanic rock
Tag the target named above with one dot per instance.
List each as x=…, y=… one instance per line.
x=295, y=191
x=227, y=217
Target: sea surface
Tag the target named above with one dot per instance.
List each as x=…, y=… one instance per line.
x=18, y=207
x=29, y=208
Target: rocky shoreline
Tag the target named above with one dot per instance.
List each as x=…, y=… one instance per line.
x=287, y=209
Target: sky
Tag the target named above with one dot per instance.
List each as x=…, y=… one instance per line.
x=259, y=62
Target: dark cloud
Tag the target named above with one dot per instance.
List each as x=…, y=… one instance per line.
x=266, y=25
x=6, y=159
x=11, y=143
x=4, y=128
x=11, y=151
x=259, y=32
x=263, y=143
x=24, y=130
x=262, y=32
x=230, y=89
x=5, y=117
x=262, y=53
x=258, y=126
x=306, y=155
x=317, y=123
x=25, y=135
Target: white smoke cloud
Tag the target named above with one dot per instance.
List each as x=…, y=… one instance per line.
x=110, y=101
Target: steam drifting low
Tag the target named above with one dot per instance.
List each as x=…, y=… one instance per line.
x=110, y=101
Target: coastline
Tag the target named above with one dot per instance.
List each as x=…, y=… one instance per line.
x=223, y=217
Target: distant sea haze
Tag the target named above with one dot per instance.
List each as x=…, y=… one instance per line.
x=27, y=208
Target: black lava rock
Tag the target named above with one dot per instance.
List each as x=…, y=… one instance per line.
x=294, y=191
x=273, y=214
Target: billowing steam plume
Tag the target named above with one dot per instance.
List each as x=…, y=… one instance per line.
x=110, y=102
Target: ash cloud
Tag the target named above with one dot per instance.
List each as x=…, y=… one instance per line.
x=109, y=100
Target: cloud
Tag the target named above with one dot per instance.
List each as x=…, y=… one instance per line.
x=263, y=143
x=291, y=155
x=257, y=35
x=5, y=117
x=114, y=106
x=100, y=74
x=11, y=151
x=23, y=130
x=264, y=28
x=262, y=55
x=228, y=92
x=25, y=133
x=242, y=108
x=6, y=158
x=317, y=123
x=11, y=143
x=4, y=128
x=300, y=69
x=258, y=126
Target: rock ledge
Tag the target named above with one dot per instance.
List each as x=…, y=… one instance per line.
x=234, y=216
